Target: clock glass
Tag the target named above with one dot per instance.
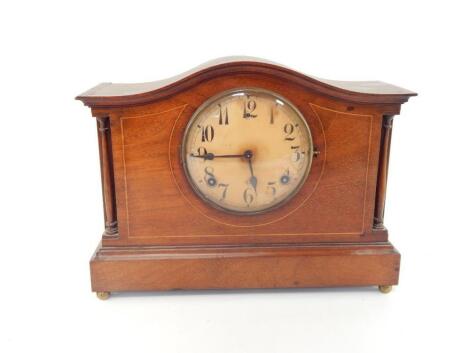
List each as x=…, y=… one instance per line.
x=247, y=151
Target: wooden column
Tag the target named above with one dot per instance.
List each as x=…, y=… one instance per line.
x=107, y=177
x=383, y=172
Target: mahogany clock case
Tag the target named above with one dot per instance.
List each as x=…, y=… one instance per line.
x=160, y=235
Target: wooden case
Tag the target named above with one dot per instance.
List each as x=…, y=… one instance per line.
x=159, y=235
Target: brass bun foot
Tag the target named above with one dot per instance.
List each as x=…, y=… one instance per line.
x=103, y=295
x=385, y=289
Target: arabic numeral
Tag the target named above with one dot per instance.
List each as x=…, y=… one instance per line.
x=224, y=192
x=289, y=130
x=208, y=133
x=248, y=196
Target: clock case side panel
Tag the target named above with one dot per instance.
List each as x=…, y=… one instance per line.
x=377, y=159
x=114, y=171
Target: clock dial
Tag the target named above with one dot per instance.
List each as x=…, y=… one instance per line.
x=247, y=151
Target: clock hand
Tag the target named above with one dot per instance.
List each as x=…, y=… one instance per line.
x=229, y=156
x=253, y=180
x=210, y=156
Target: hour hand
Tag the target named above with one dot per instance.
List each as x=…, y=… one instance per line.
x=254, y=182
x=253, y=179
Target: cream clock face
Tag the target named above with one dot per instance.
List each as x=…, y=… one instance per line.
x=247, y=151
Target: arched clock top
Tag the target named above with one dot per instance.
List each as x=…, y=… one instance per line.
x=130, y=94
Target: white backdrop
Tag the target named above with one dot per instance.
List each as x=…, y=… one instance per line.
x=50, y=193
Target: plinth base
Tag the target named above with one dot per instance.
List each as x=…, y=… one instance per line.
x=153, y=268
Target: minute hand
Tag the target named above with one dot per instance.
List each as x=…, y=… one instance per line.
x=210, y=156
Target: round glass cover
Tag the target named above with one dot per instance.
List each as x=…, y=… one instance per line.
x=247, y=151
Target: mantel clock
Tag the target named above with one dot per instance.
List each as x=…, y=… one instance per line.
x=244, y=174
